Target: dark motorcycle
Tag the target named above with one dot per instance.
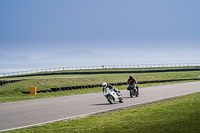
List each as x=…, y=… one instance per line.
x=133, y=90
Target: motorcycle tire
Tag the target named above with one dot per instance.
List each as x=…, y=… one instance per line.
x=137, y=93
x=131, y=94
x=120, y=101
x=110, y=99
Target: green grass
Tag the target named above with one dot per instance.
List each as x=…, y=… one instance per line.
x=177, y=115
x=11, y=92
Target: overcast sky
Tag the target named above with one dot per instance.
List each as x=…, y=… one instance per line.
x=42, y=28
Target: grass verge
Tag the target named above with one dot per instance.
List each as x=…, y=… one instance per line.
x=177, y=115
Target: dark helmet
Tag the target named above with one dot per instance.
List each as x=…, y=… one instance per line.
x=131, y=76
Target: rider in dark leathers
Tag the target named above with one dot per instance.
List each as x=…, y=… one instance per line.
x=132, y=81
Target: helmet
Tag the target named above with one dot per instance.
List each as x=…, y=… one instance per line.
x=131, y=76
x=104, y=84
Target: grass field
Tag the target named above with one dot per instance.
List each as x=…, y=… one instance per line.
x=177, y=115
x=11, y=92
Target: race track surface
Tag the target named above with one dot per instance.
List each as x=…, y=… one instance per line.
x=22, y=114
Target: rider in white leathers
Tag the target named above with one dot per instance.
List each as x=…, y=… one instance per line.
x=105, y=85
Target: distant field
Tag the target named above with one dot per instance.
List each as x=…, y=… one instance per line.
x=24, y=76
x=128, y=69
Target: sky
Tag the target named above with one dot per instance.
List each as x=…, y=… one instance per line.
x=41, y=28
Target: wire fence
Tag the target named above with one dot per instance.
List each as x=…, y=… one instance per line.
x=98, y=67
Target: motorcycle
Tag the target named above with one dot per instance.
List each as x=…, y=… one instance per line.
x=112, y=96
x=133, y=90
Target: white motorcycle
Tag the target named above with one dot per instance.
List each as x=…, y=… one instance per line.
x=112, y=96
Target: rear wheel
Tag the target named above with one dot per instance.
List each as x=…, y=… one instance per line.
x=111, y=99
x=137, y=93
x=120, y=101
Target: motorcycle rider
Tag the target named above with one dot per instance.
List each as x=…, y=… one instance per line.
x=132, y=81
x=105, y=85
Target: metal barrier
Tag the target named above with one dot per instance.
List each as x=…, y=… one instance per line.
x=107, y=72
x=98, y=67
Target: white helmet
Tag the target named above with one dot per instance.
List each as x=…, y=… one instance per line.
x=104, y=84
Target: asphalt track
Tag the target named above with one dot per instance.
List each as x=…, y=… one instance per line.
x=23, y=114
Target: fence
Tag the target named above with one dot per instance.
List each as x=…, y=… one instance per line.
x=99, y=67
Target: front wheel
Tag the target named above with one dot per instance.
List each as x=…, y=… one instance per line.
x=111, y=99
x=131, y=93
